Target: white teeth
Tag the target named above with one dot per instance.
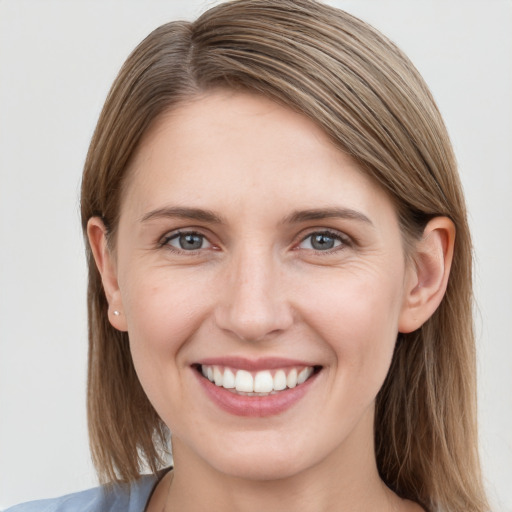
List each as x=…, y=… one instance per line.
x=304, y=374
x=291, y=380
x=218, y=378
x=280, y=380
x=263, y=382
x=229, y=379
x=244, y=381
x=259, y=383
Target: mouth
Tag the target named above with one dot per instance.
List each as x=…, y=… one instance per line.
x=255, y=389
x=256, y=383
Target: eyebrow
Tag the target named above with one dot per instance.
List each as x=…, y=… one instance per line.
x=184, y=213
x=294, y=218
x=326, y=213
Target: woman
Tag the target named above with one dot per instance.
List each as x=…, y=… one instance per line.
x=279, y=275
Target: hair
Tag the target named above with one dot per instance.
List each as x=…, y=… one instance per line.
x=368, y=97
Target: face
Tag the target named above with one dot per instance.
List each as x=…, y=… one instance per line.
x=262, y=280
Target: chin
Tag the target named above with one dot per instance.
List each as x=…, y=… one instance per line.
x=266, y=457
x=262, y=467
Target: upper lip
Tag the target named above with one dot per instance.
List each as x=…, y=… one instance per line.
x=254, y=365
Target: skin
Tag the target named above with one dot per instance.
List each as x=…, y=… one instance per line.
x=257, y=288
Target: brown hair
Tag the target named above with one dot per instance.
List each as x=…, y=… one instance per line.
x=365, y=93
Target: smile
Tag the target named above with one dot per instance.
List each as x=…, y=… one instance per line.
x=260, y=383
x=255, y=388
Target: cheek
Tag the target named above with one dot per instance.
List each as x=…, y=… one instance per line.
x=357, y=315
x=161, y=305
x=163, y=312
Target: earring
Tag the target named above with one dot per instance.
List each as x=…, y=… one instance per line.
x=116, y=313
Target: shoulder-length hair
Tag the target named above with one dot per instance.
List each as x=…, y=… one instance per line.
x=368, y=97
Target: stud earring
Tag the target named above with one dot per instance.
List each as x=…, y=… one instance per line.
x=116, y=313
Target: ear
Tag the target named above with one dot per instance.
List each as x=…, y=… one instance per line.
x=428, y=274
x=105, y=261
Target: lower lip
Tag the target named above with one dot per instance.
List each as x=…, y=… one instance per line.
x=254, y=406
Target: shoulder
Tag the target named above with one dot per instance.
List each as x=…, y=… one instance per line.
x=118, y=498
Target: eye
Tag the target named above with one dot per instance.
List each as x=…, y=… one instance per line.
x=322, y=241
x=187, y=241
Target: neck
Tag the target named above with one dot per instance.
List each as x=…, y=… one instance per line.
x=300, y=493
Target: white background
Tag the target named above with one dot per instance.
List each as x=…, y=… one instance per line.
x=57, y=61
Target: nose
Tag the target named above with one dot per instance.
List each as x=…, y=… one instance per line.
x=252, y=304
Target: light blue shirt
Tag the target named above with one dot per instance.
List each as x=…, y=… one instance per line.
x=119, y=498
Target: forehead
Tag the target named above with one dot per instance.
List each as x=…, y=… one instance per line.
x=230, y=148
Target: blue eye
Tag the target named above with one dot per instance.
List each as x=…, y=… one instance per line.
x=321, y=241
x=187, y=241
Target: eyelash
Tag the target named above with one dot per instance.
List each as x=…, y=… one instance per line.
x=344, y=241
x=176, y=235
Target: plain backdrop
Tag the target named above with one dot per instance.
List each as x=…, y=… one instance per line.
x=57, y=61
